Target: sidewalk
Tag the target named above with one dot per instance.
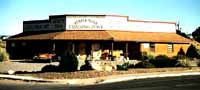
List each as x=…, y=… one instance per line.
x=100, y=80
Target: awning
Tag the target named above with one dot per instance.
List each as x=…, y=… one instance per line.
x=131, y=36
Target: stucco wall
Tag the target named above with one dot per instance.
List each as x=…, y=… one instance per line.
x=162, y=49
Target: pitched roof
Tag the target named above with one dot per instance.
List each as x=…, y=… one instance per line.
x=63, y=35
x=83, y=35
x=103, y=35
x=34, y=36
x=148, y=37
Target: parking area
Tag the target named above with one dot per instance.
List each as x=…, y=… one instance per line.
x=23, y=65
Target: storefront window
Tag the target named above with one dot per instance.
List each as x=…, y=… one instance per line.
x=13, y=44
x=152, y=47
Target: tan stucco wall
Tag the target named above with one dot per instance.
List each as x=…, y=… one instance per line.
x=162, y=49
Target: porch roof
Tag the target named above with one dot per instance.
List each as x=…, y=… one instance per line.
x=103, y=35
x=148, y=37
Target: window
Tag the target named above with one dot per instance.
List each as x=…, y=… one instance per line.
x=152, y=47
x=170, y=48
x=13, y=44
x=146, y=45
x=23, y=44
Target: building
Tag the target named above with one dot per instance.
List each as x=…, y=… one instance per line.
x=100, y=36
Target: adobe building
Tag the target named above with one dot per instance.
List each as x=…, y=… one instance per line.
x=99, y=36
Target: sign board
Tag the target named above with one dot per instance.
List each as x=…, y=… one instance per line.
x=84, y=22
x=36, y=27
x=98, y=22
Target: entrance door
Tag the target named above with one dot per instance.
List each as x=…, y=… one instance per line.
x=134, y=51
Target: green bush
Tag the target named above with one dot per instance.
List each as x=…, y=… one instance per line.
x=50, y=68
x=86, y=66
x=3, y=55
x=122, y=67
x=163, y=61
x=181, y=54
x=146, y=56
x=69, y=62
x=144, y=64
x=192, y=52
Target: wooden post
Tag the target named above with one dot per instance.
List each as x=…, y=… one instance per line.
x=112, y=48
x=73, y=47
x=54, y=48
x=126, y=47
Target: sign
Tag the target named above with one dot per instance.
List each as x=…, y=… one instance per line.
x=84, y=23
x=36, y=27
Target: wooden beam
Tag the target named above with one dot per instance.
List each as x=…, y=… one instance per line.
x=112, y=48
x=126, y=47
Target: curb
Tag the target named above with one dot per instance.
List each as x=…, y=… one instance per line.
x=148, y=76
x=99, y=80
x=24, y=78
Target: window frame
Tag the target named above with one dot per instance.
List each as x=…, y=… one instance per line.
x=170, y=48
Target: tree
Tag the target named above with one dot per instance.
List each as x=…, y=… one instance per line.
x=69, y=62
x=181, y=54
x=182, y=33
x=196, y=34
x=192, y=52
x=178, y=31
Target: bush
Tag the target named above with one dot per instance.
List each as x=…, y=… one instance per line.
x=69, y=62
x=192, y=52
x=87, y=66
x=163, y=61
x=3, y=55
x=144, y=64
x=181, y=54
x=145, y=56
x=50, y=68
x=2, y=44
x=123, y=66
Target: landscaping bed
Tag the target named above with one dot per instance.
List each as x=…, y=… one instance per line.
x=93, y=73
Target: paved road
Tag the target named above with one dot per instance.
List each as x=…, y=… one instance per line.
x=172, y=83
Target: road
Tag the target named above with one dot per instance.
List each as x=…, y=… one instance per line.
x=170, y=83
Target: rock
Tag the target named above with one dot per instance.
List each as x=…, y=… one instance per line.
x=11, y=72
x=96, y=66
x=103, y=65
x=108, y=68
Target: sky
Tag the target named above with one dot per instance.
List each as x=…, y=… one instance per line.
x=14, y=12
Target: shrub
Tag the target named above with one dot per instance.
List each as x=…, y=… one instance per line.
x=68, y=62
x=146, y=56
x=163, y=61
x=192, y=52
x=182, y=63
x=131, y=66
x=181, y=54
x=123, y=66
x=3, y=55
x=87, y=66
x=144, y=64
x=50, y=68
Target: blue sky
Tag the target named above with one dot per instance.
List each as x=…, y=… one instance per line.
x=14, y=12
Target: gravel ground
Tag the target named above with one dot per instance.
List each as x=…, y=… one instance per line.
x=93, y=73
x=27, y=66
x=22, y=65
